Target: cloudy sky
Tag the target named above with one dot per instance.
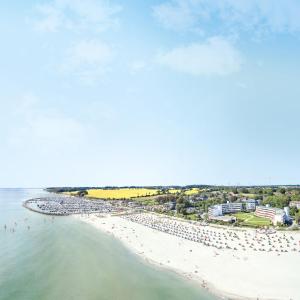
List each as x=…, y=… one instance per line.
x=99, y=92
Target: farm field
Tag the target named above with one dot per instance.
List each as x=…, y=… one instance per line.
x=131, y=193
x=188, y=192
x=126, y=193
x=192, y=191
x=252, y=220
x=253, y=196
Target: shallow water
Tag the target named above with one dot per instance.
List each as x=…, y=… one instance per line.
x=62, y=258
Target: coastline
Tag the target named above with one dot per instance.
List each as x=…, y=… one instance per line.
x=225, y=273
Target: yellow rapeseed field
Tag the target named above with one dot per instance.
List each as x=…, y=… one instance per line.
x=192, y=191
x=189, y=192
x=126, y=193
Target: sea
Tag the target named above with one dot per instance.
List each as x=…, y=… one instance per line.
x=53, y=258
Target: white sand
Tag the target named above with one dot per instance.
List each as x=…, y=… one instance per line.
x=230, y=273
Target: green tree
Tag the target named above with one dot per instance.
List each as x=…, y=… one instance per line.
x=282, y=190
x=180, y=200
x=82, y=193
x=279, y=201
x=293, y=211
x=235, y=190
x=245, y=191
x=295, y=197
x=297, y=218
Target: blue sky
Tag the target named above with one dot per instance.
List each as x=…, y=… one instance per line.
x=149, y=92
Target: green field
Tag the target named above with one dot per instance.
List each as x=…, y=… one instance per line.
x=251, y=220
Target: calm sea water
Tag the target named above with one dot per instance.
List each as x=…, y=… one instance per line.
x=62, y=258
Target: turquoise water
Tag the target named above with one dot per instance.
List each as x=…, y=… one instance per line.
x=62, y=258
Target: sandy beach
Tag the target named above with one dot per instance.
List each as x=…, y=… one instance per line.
x=235, y=264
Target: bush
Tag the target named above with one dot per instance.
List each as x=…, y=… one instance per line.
x=277, y=201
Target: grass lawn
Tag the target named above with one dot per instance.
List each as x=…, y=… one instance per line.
x=193, y=217
x=249, y=195
x=251, y=219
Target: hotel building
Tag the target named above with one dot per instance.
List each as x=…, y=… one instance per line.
x=276, y=215
x=224, y=208
x=250, y=204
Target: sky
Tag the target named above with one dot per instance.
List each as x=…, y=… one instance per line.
x=157, y=92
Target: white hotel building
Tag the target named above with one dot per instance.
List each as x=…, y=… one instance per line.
x=224, y=208
x=276, y=215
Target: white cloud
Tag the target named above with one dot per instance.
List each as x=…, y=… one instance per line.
x=177, y=15
x=98, y=15
x=51, y=18
x=88, y=59
x=137, y=66
x=216, y=56
x=43, y=126
x=90, y=52
x=219, y=16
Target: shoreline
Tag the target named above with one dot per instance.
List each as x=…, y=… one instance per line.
x=185, y=276
x=203, y=265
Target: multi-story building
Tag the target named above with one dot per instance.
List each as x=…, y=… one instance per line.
x=265, y=212
x=224, y=208
x=215, y=211
x=276, y=215
x=250, y=204
x=231, y=207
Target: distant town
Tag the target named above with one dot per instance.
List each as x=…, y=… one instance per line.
x=250, y=206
